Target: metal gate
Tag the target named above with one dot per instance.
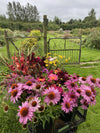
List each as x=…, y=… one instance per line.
x=69, y=48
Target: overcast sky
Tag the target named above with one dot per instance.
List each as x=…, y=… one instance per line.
x=64, y=9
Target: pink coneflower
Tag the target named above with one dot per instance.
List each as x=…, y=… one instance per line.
x=18, y=86
x=29, y=85
x=67, y=105
x=15, y=94
x=84, y=103
x=52, y=77
x=86, y=92
x=74, y=78
x=82, y=80
x=72, y=96
x=93, y=90
x=35, y=103
x=91, y=81
x=53, y=95
x=71, y=85
x=93, y=100
x=78, y=92
x=98, y=82
x=25, y=112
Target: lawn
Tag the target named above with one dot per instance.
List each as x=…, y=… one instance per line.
x=9, y=121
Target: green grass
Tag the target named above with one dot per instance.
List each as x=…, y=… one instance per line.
x=90, y=54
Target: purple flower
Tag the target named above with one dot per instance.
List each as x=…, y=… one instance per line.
x=53, y=95
x=67, y=105
x=25, y=113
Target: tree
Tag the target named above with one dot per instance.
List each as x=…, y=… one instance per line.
x=3, y=17
x=57, y=20
x=10, y=11
x=91, y=16
x=17, y=12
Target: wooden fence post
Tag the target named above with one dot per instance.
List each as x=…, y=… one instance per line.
x=7, y=45
x=45, y=23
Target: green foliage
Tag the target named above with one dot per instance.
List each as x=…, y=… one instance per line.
x=29, y=43
x=57, y=20
x=35, y=33
x=2, y=38
x=93, y=39
x=53, y=26
x=21, y=25
x=3, y=29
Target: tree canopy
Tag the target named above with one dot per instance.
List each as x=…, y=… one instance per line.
x=18, y=12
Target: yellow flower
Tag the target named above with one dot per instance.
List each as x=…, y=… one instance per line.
x=46, y=64
x=60, y=56
x=48, y=54
x=69, y=58
x=66, y=60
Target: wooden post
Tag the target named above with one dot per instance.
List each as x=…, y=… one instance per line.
x=7, y=45
x=45, y=23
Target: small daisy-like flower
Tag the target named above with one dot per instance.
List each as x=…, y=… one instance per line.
x=86, y=92
x=71, y=85
x=66, y=105
x=35, y=103
x=52, y=77
x=91, y=81
x=82, y=80
x=15, y=94
x=29, y=85
x=41, y=79
x=53, y=95
x=25, y=113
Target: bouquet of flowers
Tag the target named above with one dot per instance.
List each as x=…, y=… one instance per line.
x=42, y=95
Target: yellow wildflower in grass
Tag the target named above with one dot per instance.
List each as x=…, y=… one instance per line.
x=60, y=56
x=66, y=60
x=69, y=58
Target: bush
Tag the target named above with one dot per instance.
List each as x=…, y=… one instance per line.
x=35, y=33
x=2, y=41
x=93, y=39
x=53, y=26
x=29, y=43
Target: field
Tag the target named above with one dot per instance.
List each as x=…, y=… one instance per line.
x=9, y=121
